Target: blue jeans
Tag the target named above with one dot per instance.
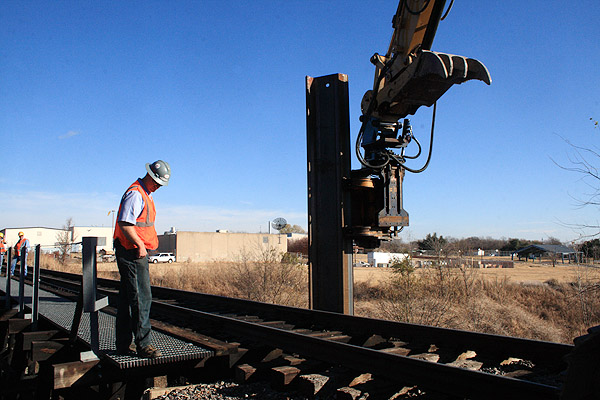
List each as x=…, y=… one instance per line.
x=13, y=264
x=135, y=298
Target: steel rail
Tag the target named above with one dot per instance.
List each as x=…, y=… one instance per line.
x=441, y=377
x=543, y=352
x=438, y=377
x=539, y=352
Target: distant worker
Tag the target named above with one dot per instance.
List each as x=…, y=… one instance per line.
x=21, y=244
x=134, y=236
x=2, y=250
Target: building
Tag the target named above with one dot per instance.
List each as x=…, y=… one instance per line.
x=553, y=252
x=103, y=233
x=219, y=246
x=381, y=259
x=296, y=236
x=46, y=237
x=49, y=238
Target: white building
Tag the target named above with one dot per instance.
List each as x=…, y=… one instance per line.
x=381, y=259
x=48, y=238
x=296, y=236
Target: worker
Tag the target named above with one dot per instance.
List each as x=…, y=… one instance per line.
x=134, y=236
x=21, y=244
x=2, y=250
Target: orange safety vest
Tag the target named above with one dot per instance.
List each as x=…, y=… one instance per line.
x=18, y=246
x=2, y=248
x=144, y=224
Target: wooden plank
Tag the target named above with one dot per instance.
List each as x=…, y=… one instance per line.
x=67, y=374
x=235, y=357
x=283, y=376
x=401, y=351
x=5, y=315
x=219, y=347
x=29, y=337
x=244, y=372
x=311, y=384
x=325, y=334
x=278, y=324
x=373, y=341
x=340, y=338
x=270, y=355
x=16, y=325
x=291, y=360
x=44, y=349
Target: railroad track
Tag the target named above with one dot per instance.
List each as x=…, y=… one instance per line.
x=458, y=363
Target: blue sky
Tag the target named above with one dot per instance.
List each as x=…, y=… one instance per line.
x=90, y=91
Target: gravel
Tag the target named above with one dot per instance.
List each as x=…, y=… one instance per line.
x=227, y=390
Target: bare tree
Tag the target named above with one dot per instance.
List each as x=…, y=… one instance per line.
x=64, y=241
x=292, y=229
x=583, y=161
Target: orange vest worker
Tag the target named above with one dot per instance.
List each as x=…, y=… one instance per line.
x=144, y=225
x=20, y=243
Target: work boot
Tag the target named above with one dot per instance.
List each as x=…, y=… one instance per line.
x=148, y=352
x=130, y=351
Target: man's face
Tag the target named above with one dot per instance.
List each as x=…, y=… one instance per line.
x=153, y=185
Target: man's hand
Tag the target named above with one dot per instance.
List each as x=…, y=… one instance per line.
x=141, y=252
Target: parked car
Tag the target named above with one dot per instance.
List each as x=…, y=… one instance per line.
x=162, y=257
x=108, y=258
x=361, y=264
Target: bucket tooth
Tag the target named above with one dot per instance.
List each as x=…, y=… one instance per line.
x=478, y=71
x=430, y=63
x=459, y=72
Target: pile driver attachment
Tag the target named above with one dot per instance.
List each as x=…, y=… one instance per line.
x=409, y=76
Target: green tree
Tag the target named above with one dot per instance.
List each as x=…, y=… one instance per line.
x=433, y=242
x=591, y=248
x=515, y=244
x=402, y=266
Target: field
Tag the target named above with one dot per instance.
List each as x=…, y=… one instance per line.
x=523, y=272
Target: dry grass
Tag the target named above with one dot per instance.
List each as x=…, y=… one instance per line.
x=471, y=300
x=537, y=302
x=267, y=277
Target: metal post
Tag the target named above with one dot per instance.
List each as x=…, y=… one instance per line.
x=7, y=300
x=23, y=265
x=36, y=287
x=328, y=147
x=88, y=295
x=89, y=288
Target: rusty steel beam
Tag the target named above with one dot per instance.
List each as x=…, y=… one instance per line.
x=328, y=149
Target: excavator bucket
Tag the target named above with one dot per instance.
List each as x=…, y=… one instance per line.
x=424, y=81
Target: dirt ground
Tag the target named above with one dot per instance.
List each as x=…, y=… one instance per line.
x=522, y=273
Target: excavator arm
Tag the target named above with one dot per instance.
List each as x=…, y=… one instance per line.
x=407, y=77
x=410, y=74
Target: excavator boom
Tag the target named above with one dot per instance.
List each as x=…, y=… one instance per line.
x=408, y=76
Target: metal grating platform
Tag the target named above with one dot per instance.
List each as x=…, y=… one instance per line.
x=61, y=311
